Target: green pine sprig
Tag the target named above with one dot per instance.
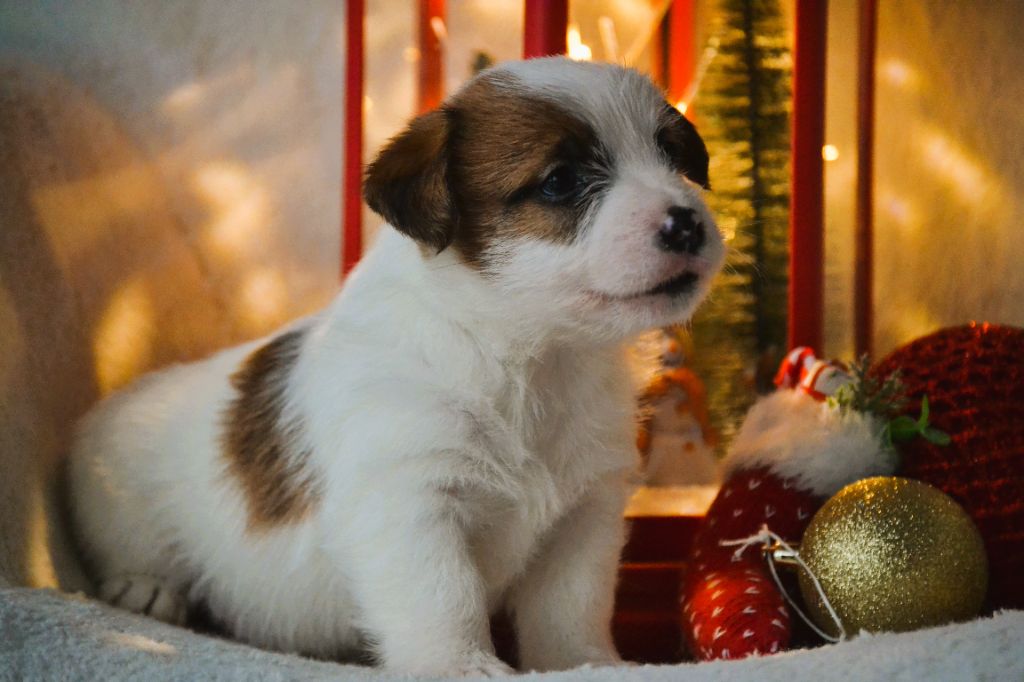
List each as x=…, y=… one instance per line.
x=885, y=399
x=865, y=393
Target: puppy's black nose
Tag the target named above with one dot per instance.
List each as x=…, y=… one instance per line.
x=681, y=232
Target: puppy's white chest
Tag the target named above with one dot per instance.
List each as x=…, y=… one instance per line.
x=570, y=435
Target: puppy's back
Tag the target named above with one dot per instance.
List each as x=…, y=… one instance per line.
x=142, y=470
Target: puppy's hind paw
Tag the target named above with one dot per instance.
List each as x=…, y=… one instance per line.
x=146, y=595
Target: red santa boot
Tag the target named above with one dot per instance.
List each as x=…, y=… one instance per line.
x=792, y=453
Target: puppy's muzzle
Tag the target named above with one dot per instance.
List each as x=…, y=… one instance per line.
x=682, y=231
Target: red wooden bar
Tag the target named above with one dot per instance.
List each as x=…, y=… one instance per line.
x=352, y=230
x=863, y=289
x=431, y=73
x=806, y=220
x=682, y=52
x=544, y=26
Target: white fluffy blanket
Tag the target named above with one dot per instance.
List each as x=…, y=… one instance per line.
x=47, y=635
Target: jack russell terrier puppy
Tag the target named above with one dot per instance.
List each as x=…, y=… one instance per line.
x=454, y=434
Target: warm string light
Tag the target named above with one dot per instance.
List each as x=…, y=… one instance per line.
x=830, y=152
x=439, y=29
x=898, y=73
x=577, y=49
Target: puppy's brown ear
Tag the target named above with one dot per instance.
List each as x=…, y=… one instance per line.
x=407, y=183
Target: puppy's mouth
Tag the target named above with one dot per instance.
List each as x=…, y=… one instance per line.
x=679, y=285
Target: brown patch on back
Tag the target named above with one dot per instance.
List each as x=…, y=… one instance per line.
x=261, y=447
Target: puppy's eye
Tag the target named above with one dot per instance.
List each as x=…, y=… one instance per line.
x=560, y=184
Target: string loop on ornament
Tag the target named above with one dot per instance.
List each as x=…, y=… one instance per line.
x=765, y=538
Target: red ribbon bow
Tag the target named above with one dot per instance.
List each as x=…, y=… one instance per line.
x=802, y=370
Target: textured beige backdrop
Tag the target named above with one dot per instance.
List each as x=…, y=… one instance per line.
x=169, y=177
x=949, y=154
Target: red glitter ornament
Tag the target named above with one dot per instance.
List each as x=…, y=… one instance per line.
x=974, y=379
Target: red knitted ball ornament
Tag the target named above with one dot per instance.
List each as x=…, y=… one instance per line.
x=974, y=379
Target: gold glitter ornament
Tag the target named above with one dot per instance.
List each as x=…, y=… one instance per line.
x=893, y=554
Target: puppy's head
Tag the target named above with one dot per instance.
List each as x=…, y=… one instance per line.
x=573, y=188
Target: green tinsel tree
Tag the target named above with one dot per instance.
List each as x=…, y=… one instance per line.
x=742, y=110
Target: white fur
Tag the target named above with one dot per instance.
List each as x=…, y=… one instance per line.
x=806, y=440
x=474, y=436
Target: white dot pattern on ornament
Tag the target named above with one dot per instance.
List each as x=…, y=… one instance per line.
x=753, y=577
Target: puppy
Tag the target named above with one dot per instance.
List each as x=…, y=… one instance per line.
x=454, y=434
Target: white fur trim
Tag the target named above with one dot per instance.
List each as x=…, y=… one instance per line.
x=800, y=438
